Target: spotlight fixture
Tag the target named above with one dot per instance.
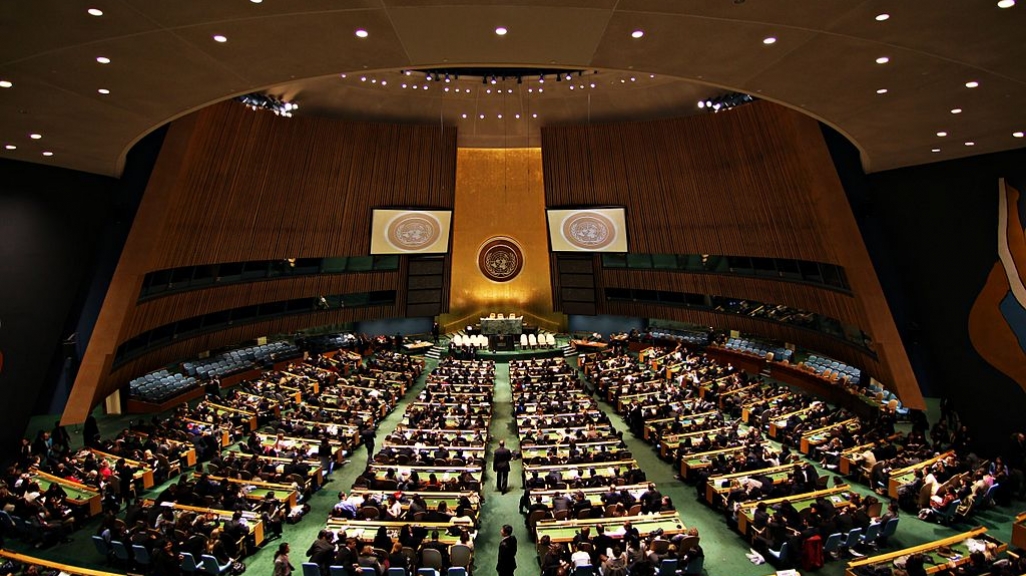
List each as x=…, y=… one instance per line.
x=637, y=34
x=220, y=38
x=10, y=147
x=494, y=80
x=541, y=78
x=1006, y=3
x=47, y=153
x=882, y=17
x=103, y=91
x=501, y=31
x=361, y=33
x=972, y=84
x=1018, y=134
x=725, y=102
x=883, y=60
x=258, y=101
x=769, y=40
x=6, y=84
x=103, y=60
x=95, y=12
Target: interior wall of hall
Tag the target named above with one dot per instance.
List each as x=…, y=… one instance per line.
x=755, y=181
x=499, y=193
x=933, y=234
x=233, y=185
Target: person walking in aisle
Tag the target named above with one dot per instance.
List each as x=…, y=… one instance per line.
x=282, y=567
x=507, y=562
x=500, y=465
x=367, y=437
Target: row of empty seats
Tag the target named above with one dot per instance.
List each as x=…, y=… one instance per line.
x=759, y=348
x=159, y=386
x=828, y=367
x=544, y=340
x=696, y=338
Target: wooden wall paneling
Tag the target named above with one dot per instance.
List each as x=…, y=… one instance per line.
x=239, y=186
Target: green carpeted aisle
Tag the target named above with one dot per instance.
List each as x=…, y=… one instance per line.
x=725, y=549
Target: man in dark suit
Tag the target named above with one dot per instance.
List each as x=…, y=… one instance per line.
x=507, y=561
x=500, y=465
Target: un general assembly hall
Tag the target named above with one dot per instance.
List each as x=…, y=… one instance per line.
x=496, y=287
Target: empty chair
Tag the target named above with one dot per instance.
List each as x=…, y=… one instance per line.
x=871, y=534
x=100, y=544
x=584, y=570
x=833, y=544
x=457, y=571
x=780, y=557
x=189, y=563
x=211, y=565
x=141, y=555
x=394, y=571
x=523, y=341
x=461, y=555
x=368, y=571
x=550, y=340
x=890, y=527
x=427, y=572
x=311, y=569
x=121, y=551
x=457, y=340
x=668, y=567
x=338, y=571
x=853, y=538
x=532, y=340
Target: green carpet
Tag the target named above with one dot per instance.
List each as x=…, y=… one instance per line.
x=725, y=549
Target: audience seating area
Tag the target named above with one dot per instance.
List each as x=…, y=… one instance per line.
x=160, y=386
x=831, y=369
x=759, y=348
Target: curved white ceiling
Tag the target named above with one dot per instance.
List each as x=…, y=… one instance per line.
x=164, y=62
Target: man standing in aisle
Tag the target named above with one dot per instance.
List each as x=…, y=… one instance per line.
x=500, y=466
x=367, y=436
x=507, y=562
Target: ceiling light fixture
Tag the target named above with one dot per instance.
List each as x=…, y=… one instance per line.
x=956, y=110
x=11, y=147
x=47, y=153
x=769, y=40
x=972, y=84
x=220, y=38
x=935, y=150
x=1018, y=134
x=501, y=31
x=881, y=91
x=882, y=17
x=637, y=34
x=883, y=60
x=970, y=143
x=258, y=101
x=35, y=136
x=103, y=91
x=464, y=116
x=942, y=134
x=6, y=84
x=103, y=60
x=1006, y=3
x=256, y=1
x=361, y=33
x=95, y=12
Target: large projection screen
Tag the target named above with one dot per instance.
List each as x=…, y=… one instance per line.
x=588, y=230
x=410, y=231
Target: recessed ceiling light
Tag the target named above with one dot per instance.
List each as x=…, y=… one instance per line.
x=384, y=82
x=95, y=12
x=11, y=147
x=47, y=153
x=956, y=110
x=1006, y=3
x=482, y=116
x=1018, y=134
x=103, y=91
x=220, y=38
x=501, y=31
x=500, y=116
x=35, y=136
x=361, y=33
x=517, y=116
x=769, y=40
x=363, y=78
x=942, y=134
x=882, y=17
x=535, y=115
x=970, y=143
x=972, y=84
x=881, y=91
x=883, y=60
x=935, y=150
x=256, y=1
x=6, y=84
x=103, y=60
x=637, y=34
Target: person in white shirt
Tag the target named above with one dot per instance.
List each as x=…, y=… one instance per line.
x=580, y=558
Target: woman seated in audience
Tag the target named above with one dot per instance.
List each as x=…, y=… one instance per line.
x=382, y=541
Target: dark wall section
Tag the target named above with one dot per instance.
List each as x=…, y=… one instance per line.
x=404, y=326
x=605, y=325
x=51, y=222
x=939, y=242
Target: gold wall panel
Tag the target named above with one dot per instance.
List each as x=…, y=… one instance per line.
x=499, y=192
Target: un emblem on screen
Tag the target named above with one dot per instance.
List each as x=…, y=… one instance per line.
x=500, y=259
x=413, y=231
x=589, y=230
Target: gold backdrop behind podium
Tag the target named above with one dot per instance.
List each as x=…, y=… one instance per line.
x=500, y=193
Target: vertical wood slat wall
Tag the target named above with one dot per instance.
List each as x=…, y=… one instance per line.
x=753, y=181
x=245, y=186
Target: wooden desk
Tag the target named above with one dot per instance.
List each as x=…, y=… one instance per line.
x=670, y=442
x=900, y=477
x=838, y=495
x=443, y=473
x=224, y=434
x=366, y=530
x=79, y=495
x=143, y=471
x=586, y=347
x=248, y=417
x=256, y=525
x=714, y=488
x=1019, y=531
x=780, y=422
x=565, y=530
x=571, y=471
x=283, y=493
x=339, y=449
x=699, y=418
x=935, y=561
x=64, y=568
x=820, y=436
x=432, y=499
x=850, y=457
x=699, y=460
